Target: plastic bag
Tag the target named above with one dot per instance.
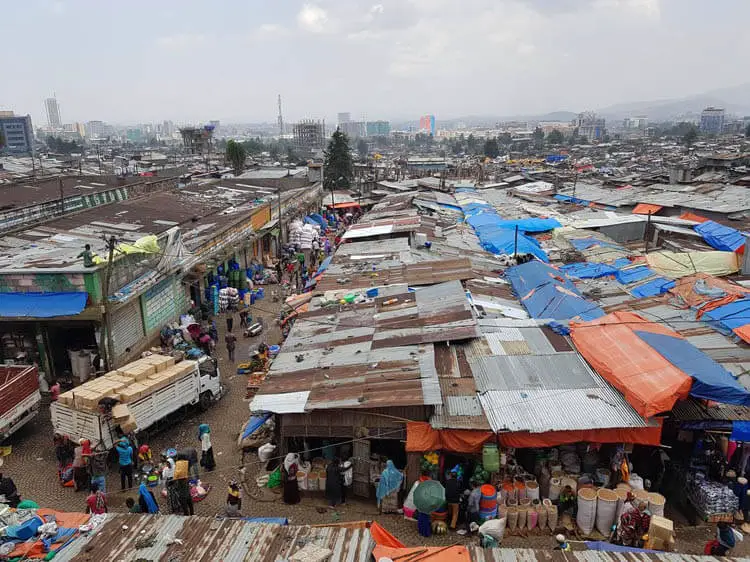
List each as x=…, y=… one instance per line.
x=274, y=480
x=494, y=528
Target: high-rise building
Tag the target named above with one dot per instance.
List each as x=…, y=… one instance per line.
x=95, y=129
x=637, y=122
x=344, y=117
x=309, y=134
x=590, y=126
x=427, y=124
x=378, y=128
x=353, y=129
x=17, y=132
x=712, y=120
x=53, y=113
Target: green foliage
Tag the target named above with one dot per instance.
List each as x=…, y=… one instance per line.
x=2, y=140
x=60, y=145
x=555, y=137
x=254, y=146
x=236, y=155
x=491, y=149
x=538, y=137
x=689, y=136
x=338, y=168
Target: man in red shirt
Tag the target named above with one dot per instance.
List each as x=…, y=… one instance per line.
x=96, y=503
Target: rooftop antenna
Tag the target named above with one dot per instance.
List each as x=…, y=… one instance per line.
x=280, y=119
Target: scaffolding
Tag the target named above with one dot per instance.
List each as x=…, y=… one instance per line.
x=309, y=134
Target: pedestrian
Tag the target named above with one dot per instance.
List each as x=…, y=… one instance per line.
x=206, y=343
x=230, y=322
x=96, y=502
x=125, y=462
x=63, y=451
x=347, y=476
x=243, y=318
x=234, y=500
x=191, y=456
x=98, y=467
x=182, y=489
x=472, y=504
x=146, y=500
x=334, y=483
x=207, y=451
x=388, y=488
x=80, y=471
x=290, y=493
x=54, y=391
x=144, y=454
x=213, y=331
x=452, y=497
x=132, y=506
x=231, y=342
x=8, y=490
x=634, y=522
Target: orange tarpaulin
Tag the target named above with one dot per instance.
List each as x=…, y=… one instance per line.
x=347, y=205
x=430, y=554
x=637, y=435
x=383, y=537
x=743, y=332
x=685, y=289
x=646, y=208
x=32, y=549
x=420, y=436
x=649, y=382
x=688, y=216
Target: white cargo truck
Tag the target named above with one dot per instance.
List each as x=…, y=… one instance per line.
x=86, y=412
x=19, y=397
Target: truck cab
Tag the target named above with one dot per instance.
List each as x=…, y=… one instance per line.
x=211, y=388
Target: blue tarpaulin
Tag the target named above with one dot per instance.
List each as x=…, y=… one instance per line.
x=504, y=242
x=720, y=237
x=524, y=225
x=253, y=424
x=711, y=381
x=601, y=546
x=546, y=292
x=41, y=305
x=729, y=317
x=586, y=270
x=270, y=520
x=324, y=265
x=740, y=431
x=586, y=243
x=652, y=288
x=633, y=274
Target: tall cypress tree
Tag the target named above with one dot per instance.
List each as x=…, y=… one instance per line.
x=337, y=169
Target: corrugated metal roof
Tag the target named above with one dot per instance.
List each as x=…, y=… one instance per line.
x=479, y=554
x=204, y=539
x=562, y=371
x=695, y=410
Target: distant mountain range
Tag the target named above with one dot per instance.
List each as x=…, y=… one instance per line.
x=735, y=100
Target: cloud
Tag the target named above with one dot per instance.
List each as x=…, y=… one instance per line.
x=57, y=8
x=181, y=41
x=313, y=18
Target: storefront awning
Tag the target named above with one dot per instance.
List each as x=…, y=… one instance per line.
x=638, y=435
x=347, y=205
x=41, y=305
x=421, y=436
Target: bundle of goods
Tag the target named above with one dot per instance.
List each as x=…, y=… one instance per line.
x=710, y=497
x=295, y=232
x=229, y=297
x=429, y=463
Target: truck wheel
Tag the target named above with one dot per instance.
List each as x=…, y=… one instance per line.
x=205, y=400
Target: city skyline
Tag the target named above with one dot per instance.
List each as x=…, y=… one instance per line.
x=450, y=59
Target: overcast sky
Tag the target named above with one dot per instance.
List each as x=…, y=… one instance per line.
x=195, y=60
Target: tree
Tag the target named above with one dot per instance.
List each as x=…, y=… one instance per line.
x=471, y=144
x=688, y=139
x=337, y=166
x=538, y=136
x=362, y=149
x=291, y=154
x=491, y=148
x=236, y=155
x=555, y=137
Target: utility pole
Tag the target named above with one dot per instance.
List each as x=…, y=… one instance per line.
x=648, y=228
x=108, y=306
x=62, y=195
x=280, y=227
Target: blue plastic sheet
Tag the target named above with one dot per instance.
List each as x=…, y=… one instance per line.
x=324, y=265
x=729, y=317
x=652, y=288
x=740, y=431
x=601, y=546
x=720, y=237
x=271, y=520
x=586, y=243
x=546, y=292
x=633, y=274
x=711, y=381
x=586, y=270
x=530, y=224
x=42, y=305
x=253, y=424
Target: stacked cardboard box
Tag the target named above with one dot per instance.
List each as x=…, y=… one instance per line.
x=129, y=383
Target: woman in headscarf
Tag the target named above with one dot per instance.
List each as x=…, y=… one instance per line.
x=80, y=459
x=234, y=500
x=146, y=500
x=290, y=494
x=388, y=488
x=634, y=522
x=207, y=451
x=334, y=483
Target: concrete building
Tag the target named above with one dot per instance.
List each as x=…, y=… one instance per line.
x=344, y=117
x=712, y=121
x=427, y=125
x=637, y=122
x=53, y=113
x=590, y=126
x=378, y=128
x=95, y=129
x=354, y=129
x=17, y=132
x=309, y=134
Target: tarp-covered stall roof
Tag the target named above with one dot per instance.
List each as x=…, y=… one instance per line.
x=42, y=305
x=721, y=237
